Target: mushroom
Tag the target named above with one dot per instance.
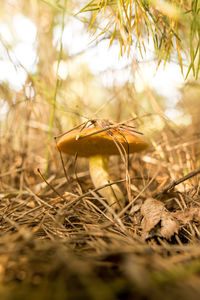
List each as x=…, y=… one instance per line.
x=98, y=144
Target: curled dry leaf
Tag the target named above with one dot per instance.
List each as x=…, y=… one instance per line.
x=169, y=225
x=157, y=220
x=151, y=211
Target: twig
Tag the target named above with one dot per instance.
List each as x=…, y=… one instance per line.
x=78, y=198
x=75, y=173
x=11, y=172
x=63, y=165
x=50, y=185
x=176, y=182
x=114, y=126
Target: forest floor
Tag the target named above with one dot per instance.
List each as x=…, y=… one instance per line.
x=59, y=242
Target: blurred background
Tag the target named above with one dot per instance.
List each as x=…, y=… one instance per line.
x=64, y=62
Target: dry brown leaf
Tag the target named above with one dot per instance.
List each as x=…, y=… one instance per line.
x=154, y=212
x=169, y=226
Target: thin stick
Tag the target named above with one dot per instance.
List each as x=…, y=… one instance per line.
x=50, y=185
x=75, y=173
x=105, y=129
x=176, y=182
x=112, y=126
x=78, y=198
x=63, y=165
x=60, y=135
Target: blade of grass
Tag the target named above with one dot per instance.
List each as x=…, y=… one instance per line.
x=55, y=91
x=53, y=4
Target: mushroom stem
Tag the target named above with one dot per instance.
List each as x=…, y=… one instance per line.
x=98, y=165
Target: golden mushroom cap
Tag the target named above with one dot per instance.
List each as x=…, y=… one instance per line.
x=97, y=141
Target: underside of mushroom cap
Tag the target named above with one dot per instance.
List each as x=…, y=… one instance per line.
x=93, y=141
